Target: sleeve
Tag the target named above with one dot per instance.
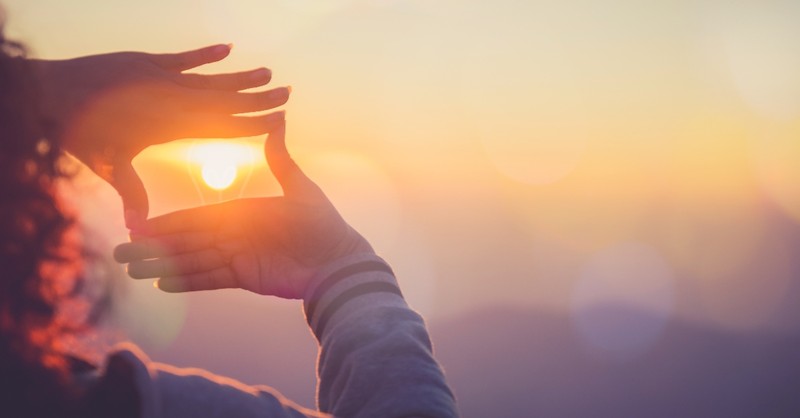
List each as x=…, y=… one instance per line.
x=376, y=358
x=167, y=391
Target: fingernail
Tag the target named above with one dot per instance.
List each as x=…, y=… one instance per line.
x=279, y=93
x=262, y=74
x=222, y=49
x=289, y=89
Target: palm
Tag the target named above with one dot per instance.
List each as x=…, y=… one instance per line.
x=277, y=253
x=271, y=246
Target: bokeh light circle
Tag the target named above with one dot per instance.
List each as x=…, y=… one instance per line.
x=147, y=316
x=758, y=42
x=623, y=299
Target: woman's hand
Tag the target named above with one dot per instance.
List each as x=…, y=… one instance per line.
x=271, y=246
x=105, y=109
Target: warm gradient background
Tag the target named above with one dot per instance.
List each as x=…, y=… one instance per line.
x=596, y=205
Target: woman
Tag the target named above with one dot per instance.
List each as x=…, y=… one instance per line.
x=375, y=358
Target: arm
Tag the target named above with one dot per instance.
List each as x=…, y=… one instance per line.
x=166, y=391
x=376, y=358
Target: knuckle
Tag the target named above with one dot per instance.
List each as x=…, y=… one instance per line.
x=180, y=60
x=257, y=101
x=238, y=81
x=266, y=99
x=204, y=82
x=194, y=262
x=159, y=246
x=205, y=55
x=179, y=244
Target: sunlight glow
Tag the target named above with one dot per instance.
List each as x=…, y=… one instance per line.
x=776, y=154
x=220, y=161
x=219, y=176
x=360, y=188
x=254, y=25
x=531, y=132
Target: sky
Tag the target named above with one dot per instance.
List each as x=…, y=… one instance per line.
x=548, y=158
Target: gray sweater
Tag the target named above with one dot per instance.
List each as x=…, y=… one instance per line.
x=375, y=359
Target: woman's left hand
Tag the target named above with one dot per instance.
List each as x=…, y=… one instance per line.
x=269, y=245
x=105, y=109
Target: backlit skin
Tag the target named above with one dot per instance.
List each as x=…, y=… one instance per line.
x=147, y=99
x=269, y=246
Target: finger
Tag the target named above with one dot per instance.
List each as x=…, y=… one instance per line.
x=162, y=246
x=182, y=61
x=199, y=219
x=130, y=188
x=221, y=278
x=210, y=219
x=236, y=102
x=177, y=265
x=230, y=82
x=289, y=175
x=226, y=126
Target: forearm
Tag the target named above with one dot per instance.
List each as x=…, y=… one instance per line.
x=376, y=357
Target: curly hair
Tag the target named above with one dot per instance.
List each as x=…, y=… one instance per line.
x=32, y=233
x=40, y=257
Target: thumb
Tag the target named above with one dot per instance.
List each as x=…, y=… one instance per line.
x=289, y=175
x=131, y=190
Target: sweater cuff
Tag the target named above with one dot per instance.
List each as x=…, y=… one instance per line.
x=365, y=277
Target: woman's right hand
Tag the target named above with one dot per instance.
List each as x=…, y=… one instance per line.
x=271, y=246
x=105, y=109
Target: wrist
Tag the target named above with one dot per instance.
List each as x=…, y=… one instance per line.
x=364, y=277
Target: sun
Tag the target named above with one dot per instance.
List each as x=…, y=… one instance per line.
x=218, y=176
x=220, y=162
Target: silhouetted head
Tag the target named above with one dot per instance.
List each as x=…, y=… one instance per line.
x=40, y=258
x=32, y=228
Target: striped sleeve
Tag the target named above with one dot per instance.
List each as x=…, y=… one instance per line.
x=341, y=282
x=376, y=357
